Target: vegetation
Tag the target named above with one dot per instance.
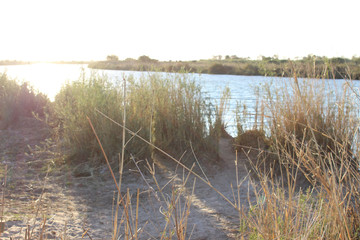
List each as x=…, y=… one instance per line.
x=312, y=139
x=12, y=62
x=19, y=101
x=309, y=188
x=309, y=113
x=112, y=58
x=72, y=62
x=169, y=113
x=307, y=67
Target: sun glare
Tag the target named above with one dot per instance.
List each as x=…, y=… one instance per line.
x=44, y=77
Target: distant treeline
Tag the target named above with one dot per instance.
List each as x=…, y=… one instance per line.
x=12, y=62
x=307, y=67
x=15, y=62
x=72, y=62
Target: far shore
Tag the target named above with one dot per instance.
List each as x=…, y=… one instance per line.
x=307, y=67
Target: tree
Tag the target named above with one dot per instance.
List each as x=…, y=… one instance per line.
x=145, y=58
x=112, y=58
x=217, y=57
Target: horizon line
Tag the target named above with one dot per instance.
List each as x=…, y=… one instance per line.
x=215, y=57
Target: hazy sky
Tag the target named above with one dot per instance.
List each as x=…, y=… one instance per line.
x=177, y=30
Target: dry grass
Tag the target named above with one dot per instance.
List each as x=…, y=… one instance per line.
x=313, y=137
x=327, y=209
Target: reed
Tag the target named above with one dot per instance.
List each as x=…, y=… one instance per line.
x=312, y=135
x=307, y=112
x=167, y=110
x=285, y=208
x=77, y=100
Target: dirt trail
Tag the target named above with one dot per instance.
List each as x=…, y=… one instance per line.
x=73, y=205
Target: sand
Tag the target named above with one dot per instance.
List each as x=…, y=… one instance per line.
x=42, y=196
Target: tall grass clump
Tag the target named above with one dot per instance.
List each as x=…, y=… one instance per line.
x=217, y=127
x=167, y=110
x=317, y=114
x=286, y=208
x=312, y=129
x=170, y=109
x=79, y=99
x=18, y=101
x=327, y=210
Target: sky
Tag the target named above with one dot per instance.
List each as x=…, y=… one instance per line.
x=54, y=30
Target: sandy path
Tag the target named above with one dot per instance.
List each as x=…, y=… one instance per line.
x=212, y=217
x=224, y=217
x=72, y=205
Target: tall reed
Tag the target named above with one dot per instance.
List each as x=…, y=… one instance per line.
x=168, y=110
x=314, y=113
x=285, y=208
x=79, y=99
x=313, y=129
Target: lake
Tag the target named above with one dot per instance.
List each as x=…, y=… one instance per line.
x=48, y=78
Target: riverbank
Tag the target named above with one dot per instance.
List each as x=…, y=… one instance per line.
x=13, y=62
x=309, y=67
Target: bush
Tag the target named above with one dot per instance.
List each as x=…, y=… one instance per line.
x=252, y=139
x=112, y=58
x=218, y=68
x=18, y=101
x=146, y=59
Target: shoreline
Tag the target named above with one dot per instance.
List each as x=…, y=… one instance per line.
x=328, y=69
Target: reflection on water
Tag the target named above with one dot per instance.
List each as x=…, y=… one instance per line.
x=48, y=78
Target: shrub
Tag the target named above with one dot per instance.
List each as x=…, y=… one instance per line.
x=112, y=58
x=18, y=101
x=218, y=68
x=146, y=59
x=252, y=139
x=250, y=69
